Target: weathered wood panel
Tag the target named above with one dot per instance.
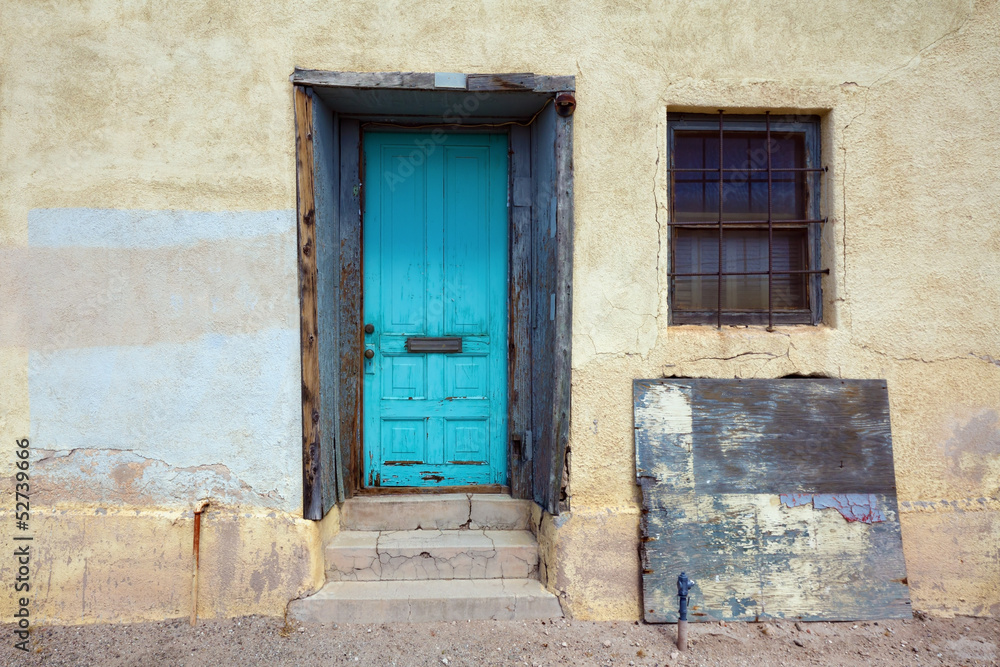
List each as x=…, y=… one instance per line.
x=410, y=80
x=551, y=304
x=543, y=295
x=519, y=341
x=326, y=160
x=554, y=84
x=808, y=549
x=563, y=344
x=772, y=436
x=312, y=502
x=349, y=315
x=522, y=81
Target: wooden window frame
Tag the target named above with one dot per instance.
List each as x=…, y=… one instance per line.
x=330, y=204
x=808, y=125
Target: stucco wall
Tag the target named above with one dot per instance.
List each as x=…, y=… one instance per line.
x=148, y=333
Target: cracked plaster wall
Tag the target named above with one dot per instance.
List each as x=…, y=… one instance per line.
x=141, y=107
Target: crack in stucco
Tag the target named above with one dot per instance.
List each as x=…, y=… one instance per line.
x=960, y=357
x=867, y=91
x=786, y=355
x=659, y=249
x=751, y=356
x=985, y=357
x=621, y=304
x=47, y=454
x=735, y=356
x=843, y=192
x=934, y=43
x=638, y=330
x=123, y=476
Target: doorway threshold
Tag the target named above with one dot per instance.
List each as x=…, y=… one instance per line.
x=414, y=490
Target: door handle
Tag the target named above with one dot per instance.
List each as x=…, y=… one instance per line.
x=369, y=352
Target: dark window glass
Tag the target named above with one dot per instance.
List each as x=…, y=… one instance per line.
x=695, y=186
x=743, y=250
x=744, y=193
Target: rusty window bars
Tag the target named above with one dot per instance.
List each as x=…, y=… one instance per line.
x=805, y=191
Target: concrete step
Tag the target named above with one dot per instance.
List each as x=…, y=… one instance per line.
x=419, y=601
x=446, y=511
x=355, y=555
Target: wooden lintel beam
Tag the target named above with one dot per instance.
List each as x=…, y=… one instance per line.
x=527, y=82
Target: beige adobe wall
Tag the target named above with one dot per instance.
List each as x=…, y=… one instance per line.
x=144, y=109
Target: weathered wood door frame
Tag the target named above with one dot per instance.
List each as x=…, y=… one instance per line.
x=330, y=110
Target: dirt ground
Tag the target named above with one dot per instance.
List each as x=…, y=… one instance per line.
x=268, y=641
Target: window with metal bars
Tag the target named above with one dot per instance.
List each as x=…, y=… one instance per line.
x=745, y=189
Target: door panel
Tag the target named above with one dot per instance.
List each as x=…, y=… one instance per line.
x=435, y=265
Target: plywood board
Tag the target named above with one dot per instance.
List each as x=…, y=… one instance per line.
x=777, y=497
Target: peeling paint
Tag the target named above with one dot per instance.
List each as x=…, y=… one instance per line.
x=116, y=477
x=853, y=507
x=795, y=499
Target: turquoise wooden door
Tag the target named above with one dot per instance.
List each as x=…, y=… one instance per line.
x=435, y=266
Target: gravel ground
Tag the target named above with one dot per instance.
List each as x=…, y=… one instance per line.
x=268, y=641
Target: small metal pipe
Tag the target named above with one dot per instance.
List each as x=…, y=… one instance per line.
x=683, y=588
x=197, y=558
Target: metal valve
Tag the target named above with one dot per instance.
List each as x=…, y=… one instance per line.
x=683, y=590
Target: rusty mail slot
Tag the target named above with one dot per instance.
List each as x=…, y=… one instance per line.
x=445, y=345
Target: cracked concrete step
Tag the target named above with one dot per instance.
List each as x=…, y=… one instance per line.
x=354, y=555
x=420, y=601
x=446, y=511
